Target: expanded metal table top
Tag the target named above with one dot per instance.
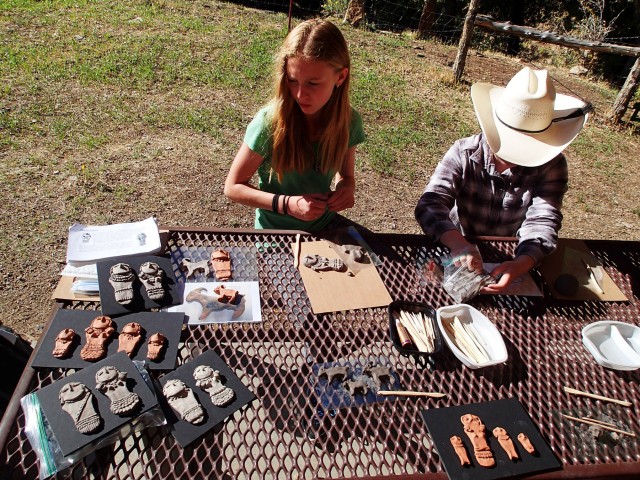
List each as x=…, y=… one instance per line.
x=289, y=432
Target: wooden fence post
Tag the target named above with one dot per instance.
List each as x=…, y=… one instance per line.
x=626, y=93
x=465, y=40
x=427, y=18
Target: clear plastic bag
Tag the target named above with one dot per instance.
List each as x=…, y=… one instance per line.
x=46, y=447
x=461, y=283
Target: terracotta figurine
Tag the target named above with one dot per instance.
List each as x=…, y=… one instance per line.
x=526, y=443
x=475, y=430
x=226, y=295
x=221, y=262
x=322, y=264
x=98, y=334
x=77, y=400
x=113, y=383
x=155, y=345
x=505, y=442
x=191, y=268
x=460, y=450
x=129, y=338
x=151, y=276
x=209, y=380
x=64, y=341
x=183, y=401
x=213, y=304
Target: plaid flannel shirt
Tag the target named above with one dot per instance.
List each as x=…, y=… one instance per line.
x=466, y=192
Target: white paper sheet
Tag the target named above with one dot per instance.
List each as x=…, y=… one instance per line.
x=88, y=243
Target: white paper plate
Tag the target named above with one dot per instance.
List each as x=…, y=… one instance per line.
x=613, y=344
x=489, y=338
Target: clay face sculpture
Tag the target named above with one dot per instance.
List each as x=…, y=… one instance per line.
x=226, y=295
x=97, y=335
x=221, y=262
x=526, y=443
x=129, y=338
x=475, y=430
x=183, y=401
x=460, y=450
x=208, y=380
x=64, y=341
x=156, y=343
x=77, y=400
x=151, y=276
x=212, y=304
x=323, y=264
x=113, y=383
x=121, y=277
x=505, y=442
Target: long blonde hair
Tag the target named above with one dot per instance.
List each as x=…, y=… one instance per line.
x=312, y=40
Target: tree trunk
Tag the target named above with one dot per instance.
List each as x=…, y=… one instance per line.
x=427, y=18
x=355, y=12
x=465, y=40
x=626, y=93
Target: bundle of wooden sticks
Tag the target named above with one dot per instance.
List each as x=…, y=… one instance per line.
x=415, y=328
x=465, y=336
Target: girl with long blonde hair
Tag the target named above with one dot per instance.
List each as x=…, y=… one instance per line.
x=304, y=139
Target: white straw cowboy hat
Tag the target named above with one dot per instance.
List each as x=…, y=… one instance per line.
x=526, y=123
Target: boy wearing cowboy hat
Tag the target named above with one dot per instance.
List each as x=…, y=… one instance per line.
x=508, y=180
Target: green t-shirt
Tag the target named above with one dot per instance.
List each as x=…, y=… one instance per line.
x=259, y=139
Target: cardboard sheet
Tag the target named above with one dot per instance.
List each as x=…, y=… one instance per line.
x=333, y=291
x=570, y=257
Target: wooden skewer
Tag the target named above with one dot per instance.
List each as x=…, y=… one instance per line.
x=590, y=422
x=624, y=403
x=600, y=422
x=407, y=393
x=296, y=252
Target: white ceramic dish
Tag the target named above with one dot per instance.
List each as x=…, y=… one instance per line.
x=489, y=338
x=613, y=344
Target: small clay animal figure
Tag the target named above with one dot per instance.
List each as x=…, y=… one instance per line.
x=191, y=268
x=475, y=430
x=336, y=372
x=319, y=263
x=526, y=443
x=356, y=387
x=460, y=450
x=505, y=442
x=380, y=374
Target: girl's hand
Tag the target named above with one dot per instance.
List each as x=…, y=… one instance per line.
x=507, y=272
x=307, y=207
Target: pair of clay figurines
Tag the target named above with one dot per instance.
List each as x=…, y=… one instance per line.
x=379, y=375
x=77, y=399
x=220, y=260
x=184, y=402
x=476, y=431
x=122, y=276
x=98, y=334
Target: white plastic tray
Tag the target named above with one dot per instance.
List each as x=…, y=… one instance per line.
x=489, y=337
x=613, y=344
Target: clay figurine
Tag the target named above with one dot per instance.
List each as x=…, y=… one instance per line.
x=226, y=295
x=460, y=450
x=336, y=372
x=322, y=264
x=113, y=383
x=208, y=380
x=64, y=341
x=475, y=430
x=526, y=443
x=505, y=442
x=381, y=375
x=98, y=334
x=151, y=276
x=183, y=401
x=355, y=253
x=356, y=387
x=77, y=400
x=212, y=304
x=155, y=345
x=191, y=268
x=129, y=338
x=221, y=262
x=121, y=277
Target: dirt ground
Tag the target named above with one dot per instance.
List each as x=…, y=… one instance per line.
x=169, y=173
